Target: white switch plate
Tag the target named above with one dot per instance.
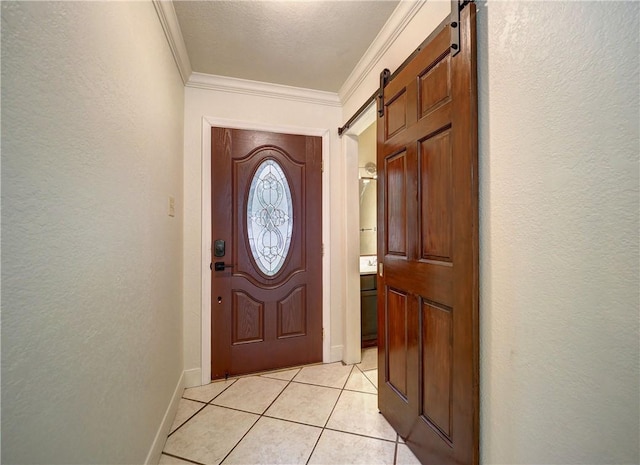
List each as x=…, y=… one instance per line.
x=172, y=206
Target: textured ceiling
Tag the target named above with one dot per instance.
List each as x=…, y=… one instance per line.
x=310, y=44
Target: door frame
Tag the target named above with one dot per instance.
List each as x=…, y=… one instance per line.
x=207, y=123
x=352, y=323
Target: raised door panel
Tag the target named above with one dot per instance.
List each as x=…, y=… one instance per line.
x=247, y=318
x=397, y=337
x=396, y=181
x=436, y=196
x=436, y=367
x=435, y=85
x=396, y=114
x=292, y=314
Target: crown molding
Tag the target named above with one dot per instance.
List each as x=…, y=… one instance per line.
x=401, y=16
x=262, y=89
x=171, y=26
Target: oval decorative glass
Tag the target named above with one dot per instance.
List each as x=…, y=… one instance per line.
x=269, y=217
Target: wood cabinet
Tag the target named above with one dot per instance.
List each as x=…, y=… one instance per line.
x=368, y=310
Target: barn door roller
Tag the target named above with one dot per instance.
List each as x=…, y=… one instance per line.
x=456, y=7
x=386, y=76
x=384, y=79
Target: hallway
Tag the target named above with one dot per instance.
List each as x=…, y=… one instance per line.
x=318, y=414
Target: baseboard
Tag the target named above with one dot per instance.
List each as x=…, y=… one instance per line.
x=336, y=353
x=153, y=457
x=193, y=377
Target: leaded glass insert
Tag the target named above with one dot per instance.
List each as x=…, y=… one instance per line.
x=269, y=217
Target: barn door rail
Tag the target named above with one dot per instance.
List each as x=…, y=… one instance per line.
x=385, y=76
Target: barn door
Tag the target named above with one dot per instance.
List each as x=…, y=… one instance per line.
x=428, y=250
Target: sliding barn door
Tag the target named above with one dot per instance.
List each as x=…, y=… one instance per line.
x=428, y=248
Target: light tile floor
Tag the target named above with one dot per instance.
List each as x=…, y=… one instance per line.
x=316, y=414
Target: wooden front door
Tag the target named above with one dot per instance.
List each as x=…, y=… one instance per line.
x=266, y=302
x=428, y=246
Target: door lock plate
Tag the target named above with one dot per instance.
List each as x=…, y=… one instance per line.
x=218, y=248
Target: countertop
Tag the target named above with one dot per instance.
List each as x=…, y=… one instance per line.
x=368, y=264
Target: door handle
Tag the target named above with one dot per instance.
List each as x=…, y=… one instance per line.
x=220, y=266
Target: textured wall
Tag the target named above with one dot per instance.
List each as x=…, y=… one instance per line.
x=92, y=141
x=559, y=147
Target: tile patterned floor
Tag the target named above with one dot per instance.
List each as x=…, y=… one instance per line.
x=318, y=414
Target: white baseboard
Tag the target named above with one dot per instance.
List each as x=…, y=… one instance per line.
x=336, y=353
x=192, y=378
x=153, y=457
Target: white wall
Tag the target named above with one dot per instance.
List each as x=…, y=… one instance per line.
x=92, y=142
x=559, y=212
x=367, y=146
x=260, y=110
x=559, y=147
x=368, y=191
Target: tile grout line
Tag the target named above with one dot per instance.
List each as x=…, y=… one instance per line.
x=329, y=417
x=240, y=440
x=259, y=416
x=189, y=419
x=337, y=400
x=249, y=411
x=223, y=391
x=181, y=458
x=392, y=441
x=263, y=414
x=314, y=446
x=292, y=381
x=292, y=421
x=199, y=410
x=344, y=388
x=330, y=413
x=364, y=374
x=309, y=424
x=278, y=418
x=395, y=450
x=185, y=422
x=318, y=385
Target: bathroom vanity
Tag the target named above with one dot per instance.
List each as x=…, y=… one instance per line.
x=368, y=301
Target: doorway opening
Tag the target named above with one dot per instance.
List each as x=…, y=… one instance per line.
x=368, y=263
x=361, y=254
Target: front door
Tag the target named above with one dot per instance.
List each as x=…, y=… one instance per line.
x=266, y=307
x=428, y=248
